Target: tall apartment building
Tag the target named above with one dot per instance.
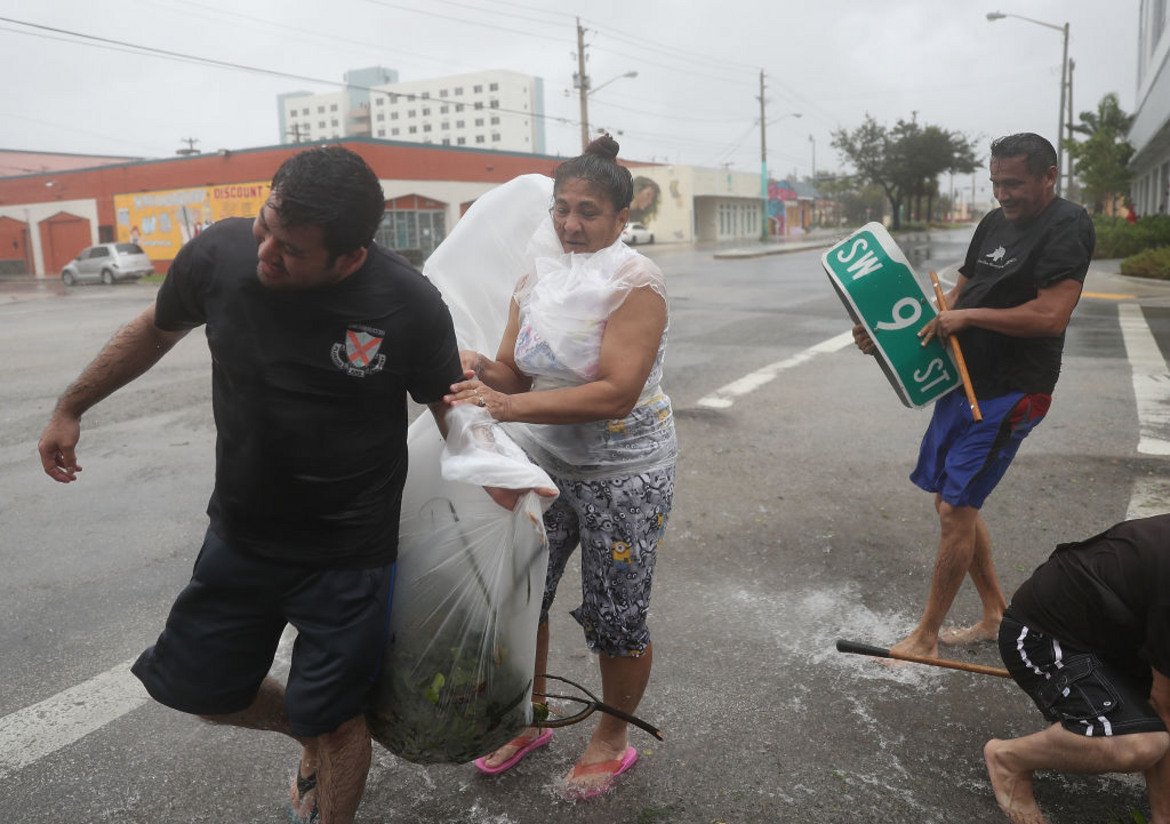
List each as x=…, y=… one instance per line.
x=494, y=109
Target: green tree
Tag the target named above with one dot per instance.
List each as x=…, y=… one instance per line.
x=1101, y=160
x=906, y=160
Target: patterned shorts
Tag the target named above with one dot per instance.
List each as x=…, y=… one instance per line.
x=1074, y=687
x=619, y=523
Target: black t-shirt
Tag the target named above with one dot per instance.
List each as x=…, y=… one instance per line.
x=1109, y=594
x=309, y=393
x=1006, y=265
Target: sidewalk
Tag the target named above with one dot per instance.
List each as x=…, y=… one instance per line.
x=817, y=239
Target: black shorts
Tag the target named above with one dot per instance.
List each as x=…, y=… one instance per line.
x=221, y=637
x=1074, y=687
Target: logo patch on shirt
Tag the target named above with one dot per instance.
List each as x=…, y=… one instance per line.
x=997, y=255
x=358, y=355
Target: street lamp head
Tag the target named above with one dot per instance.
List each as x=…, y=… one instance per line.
x=995, y=15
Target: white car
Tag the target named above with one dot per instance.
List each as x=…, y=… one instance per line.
x=108, y=262
x=636, y=233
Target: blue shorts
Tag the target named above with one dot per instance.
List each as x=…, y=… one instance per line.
x=961, y=460
x=1074, y=687
x=619, y=523
x=223, y=630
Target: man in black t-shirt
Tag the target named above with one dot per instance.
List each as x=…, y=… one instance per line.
x=1088, y=638
x=1012, y=301
x=317, y=335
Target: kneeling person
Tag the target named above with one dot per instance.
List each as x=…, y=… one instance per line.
x=1088, y=638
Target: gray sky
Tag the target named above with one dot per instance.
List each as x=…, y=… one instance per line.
x=693, y=101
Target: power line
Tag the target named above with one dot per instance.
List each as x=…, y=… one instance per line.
x=122, y=45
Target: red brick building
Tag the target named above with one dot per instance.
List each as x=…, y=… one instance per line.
x=46, y=218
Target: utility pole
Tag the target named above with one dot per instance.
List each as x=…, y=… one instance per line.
x=190, y=150
x=1064, y=81
x=582, y=85
x=1068, y=187
x=763, y=163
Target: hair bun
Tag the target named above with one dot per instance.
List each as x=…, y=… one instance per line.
x=604, y=146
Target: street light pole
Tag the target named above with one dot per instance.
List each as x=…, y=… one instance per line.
x=996, y=15
x=763, y=164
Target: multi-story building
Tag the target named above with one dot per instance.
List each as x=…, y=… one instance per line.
x=1150, y=133
x=497, y=109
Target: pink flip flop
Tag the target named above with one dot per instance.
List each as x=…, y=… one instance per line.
x=612, y=768
x=539, y=741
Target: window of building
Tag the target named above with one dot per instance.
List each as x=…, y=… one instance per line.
x=321, y=125
x=495, y=121
x=378, y=101
x=320, y=110
x=411, y=225
x=412, y=113
x=393, y=115
x=479, y=138
x=462, y=141
x=442, y=92
x=443, y=109
x=394, y=131
x=410, y=98
x=426, y=95
x=479, y=121
x=446, y=141
x=333, y=122
x=414, y=129
x=380, y=116
x=494, y=104
x=458, y=90
x=333, y=107
x=459, y=107
x=304, y=111
x=479, y=104
x=426, y=112
x=426, y=127
x=446, y=124
x=381, y=132
x=477, y=90
x=459, y=124
x=495, y=137
x=494, y=87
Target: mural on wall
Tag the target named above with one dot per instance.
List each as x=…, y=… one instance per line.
x=645, y=203
x=162, y=221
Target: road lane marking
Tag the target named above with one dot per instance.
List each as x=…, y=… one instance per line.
x=1108, y=295
x=1151, y=381
x=725, y=396
x=28, y=735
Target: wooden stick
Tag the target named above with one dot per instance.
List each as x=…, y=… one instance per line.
x=958, y=354
x=878, y=652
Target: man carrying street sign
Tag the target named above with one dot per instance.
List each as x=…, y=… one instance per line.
x=1014, y=297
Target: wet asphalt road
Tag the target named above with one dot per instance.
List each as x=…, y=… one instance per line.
x=793, y=525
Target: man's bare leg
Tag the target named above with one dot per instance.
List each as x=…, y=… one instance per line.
x=341, y=758
x=1012, y=763
x=991, y=595
x=958, y=530
x=341, y=773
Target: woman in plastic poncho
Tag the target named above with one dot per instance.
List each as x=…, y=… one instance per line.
x=579, y=367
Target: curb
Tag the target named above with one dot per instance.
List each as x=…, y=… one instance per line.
x=780, y=249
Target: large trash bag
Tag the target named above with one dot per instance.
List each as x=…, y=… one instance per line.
x=456, y=679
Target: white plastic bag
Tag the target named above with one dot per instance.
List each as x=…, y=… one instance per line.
x=456, y=679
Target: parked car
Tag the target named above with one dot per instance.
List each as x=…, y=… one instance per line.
x=636, y=233
x=108, y=262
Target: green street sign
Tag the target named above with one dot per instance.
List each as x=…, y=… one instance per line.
x=880, y=291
